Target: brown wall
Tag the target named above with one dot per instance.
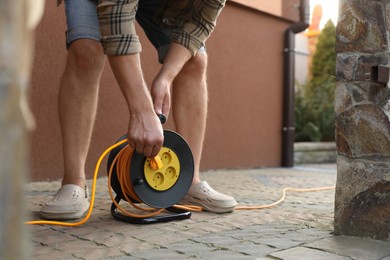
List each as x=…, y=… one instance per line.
x=288, y=9
x=245, y=90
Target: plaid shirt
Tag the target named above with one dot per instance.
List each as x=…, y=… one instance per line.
x=116, y=21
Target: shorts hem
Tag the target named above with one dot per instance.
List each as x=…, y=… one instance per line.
x=82, y=32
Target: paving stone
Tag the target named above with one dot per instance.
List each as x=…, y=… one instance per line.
x=53, y=239
x=125, y=258
x=263, y=229
x=299, y=253
x=190, y=248
x=355, y=247
x=39, y=249
x=165, y=239
x=225, y=255
x=252, y=249
x=217, y=240
x=99, y=254
x=58, y=255
x=134, y=246
x=159, y=253
x=106, y=239
x=83, y=231
x=313, y=233
x=276, y=242
x=243, y=234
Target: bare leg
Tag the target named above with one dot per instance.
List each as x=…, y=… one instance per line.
x=77, y=105
x=189, y=106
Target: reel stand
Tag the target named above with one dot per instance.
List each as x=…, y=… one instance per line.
x=157, y=188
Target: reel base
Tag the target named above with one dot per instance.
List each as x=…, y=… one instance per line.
x=177, y=214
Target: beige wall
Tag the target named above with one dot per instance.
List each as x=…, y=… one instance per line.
x=245, y=90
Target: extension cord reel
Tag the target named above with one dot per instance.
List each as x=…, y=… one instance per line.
x=159, y=188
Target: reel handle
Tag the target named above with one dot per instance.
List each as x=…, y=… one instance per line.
x=162, y=118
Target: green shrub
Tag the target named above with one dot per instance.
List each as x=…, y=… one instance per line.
x=314, y=101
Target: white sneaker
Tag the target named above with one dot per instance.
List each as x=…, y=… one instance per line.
x=203, y=195
x=70, y=202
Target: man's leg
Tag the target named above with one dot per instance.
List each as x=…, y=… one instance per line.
x=77, y=105
x=189, y=107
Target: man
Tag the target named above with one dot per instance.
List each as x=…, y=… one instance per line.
x=178, y=30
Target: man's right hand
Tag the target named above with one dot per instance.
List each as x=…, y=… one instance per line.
x=145, y=133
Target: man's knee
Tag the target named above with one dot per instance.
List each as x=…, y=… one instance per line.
x=86, y=54
x=197, y=64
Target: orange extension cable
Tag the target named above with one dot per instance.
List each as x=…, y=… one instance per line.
x=122, y=162
x=283, y=197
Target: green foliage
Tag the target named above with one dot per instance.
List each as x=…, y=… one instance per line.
x=314, y=101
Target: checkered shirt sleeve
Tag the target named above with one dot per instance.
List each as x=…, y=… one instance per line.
x=192, y=34
x=116, y=22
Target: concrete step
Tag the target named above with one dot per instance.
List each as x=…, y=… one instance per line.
x=314, y=152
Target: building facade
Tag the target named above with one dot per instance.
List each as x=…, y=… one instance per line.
x=245, y=78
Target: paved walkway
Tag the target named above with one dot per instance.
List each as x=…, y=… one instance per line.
x=299, y=228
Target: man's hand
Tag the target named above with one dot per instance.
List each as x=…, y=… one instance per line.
x=161, y=93
x=145, y=133
x=161, y=87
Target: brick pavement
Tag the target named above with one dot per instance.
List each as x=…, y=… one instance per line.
x=299, y=228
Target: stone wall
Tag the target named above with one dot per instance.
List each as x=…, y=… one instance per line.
x=362, y=107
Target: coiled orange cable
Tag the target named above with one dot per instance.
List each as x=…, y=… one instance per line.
x=122, y=162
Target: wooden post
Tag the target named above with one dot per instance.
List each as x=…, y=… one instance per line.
x=17, y=20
